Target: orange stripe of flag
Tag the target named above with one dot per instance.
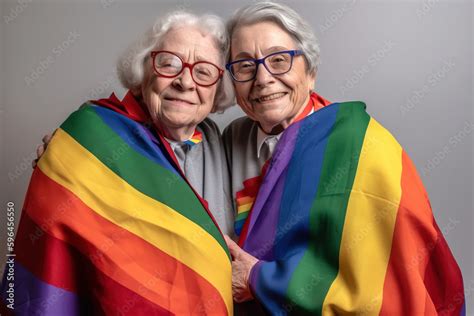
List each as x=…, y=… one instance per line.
x=123, y=256
x=404, y=291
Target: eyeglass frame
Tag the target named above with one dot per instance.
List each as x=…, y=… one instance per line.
x=293, y=53
x=153, y=55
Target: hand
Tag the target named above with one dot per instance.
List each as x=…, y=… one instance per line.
x=41, y=148
x=242, y=263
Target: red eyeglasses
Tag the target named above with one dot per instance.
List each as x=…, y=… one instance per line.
x=169, y=65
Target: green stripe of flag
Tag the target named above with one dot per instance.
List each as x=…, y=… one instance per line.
x=328, y=210
x=148, y=177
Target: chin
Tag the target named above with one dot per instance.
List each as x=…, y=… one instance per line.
x=271, y=117
x=268, y=124
x=175, y=119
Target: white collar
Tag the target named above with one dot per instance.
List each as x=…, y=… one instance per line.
x=262, y=137
x=174, y=144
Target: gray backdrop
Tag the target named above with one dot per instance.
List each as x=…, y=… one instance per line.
x=410, y=61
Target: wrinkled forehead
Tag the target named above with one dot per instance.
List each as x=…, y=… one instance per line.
x=190, y=42
x=260, y=38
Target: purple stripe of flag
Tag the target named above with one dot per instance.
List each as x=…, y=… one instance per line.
x=35, y=297
x=280, y=159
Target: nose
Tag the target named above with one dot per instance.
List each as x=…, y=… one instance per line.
x=185, y=80
x=263, y=77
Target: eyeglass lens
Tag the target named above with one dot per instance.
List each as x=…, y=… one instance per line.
x=168, y=64
x=276, y=64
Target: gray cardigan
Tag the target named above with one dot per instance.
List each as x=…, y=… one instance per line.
x=205, y=167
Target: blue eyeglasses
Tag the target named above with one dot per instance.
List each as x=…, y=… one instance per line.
x=277, y=63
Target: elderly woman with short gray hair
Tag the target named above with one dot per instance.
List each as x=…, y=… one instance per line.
x=332, y=216
x=127, y=207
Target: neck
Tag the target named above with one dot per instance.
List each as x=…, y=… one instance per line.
x=272, y=130
x=178, y=134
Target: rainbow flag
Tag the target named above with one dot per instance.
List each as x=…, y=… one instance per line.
x=343, y=225
x=110, y=226
x=195, y=139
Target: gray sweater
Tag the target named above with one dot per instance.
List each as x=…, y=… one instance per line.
x=205, y=167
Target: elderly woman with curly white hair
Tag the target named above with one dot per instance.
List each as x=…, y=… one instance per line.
x=127, y=207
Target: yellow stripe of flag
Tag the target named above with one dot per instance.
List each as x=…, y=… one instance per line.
x=368, y=228
x=244, y=207
x=81, y=172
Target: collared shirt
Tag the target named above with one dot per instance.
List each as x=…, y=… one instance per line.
x=202, y=160
x=248, y=149
x=266, y=140
x=181, y=148
x=270, y=141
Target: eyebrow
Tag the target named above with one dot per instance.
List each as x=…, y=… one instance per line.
x=200, y=58
x=268, y=51
x=197, y=59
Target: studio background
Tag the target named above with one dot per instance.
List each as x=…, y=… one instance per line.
x=409, y=61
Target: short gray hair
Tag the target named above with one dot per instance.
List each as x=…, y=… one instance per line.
x=286, y=18
x=131, y=64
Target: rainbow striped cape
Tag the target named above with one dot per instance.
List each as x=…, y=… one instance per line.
x=342, y=224
x=110, y=226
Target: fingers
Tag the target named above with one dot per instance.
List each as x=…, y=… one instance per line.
x=41, y=148
x=47, y=138
x=238, y=296
x=233, y=247
x=229, y=240
x=40, y=151
x=240, y=288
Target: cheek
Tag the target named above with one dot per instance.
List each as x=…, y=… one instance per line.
x=153, y=104
x=242, y=92
x=299, y=86
x=212, y=95
x=158, y=85
x=246, y=107
x=206, y=95
x=244, y=102
x=151, y=91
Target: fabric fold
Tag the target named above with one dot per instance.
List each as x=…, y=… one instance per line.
x=115, y=226
x=342, y=223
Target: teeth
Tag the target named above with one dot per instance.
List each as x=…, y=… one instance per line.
x=271, y=97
